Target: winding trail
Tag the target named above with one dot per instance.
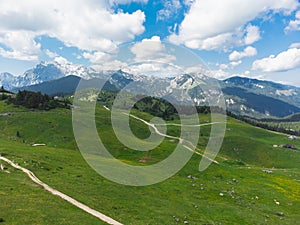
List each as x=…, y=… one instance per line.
x=190, y=125
x=105, y=107
x=177, y=138
x=155, y=128
x=53, y=191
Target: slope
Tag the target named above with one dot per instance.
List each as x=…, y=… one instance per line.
x=246, y=152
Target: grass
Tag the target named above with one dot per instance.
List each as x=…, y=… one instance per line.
x=23, y=202
x=239, y=177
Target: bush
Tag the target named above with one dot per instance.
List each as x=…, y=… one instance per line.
x=36, y=100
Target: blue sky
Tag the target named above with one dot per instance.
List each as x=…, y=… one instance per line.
x=259, y=39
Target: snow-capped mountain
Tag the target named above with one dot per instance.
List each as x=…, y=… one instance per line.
x=41, y=73
x=242, y=95
x=267, y=88
x=7, y=80
x=76, y=70
x=260, y=98
x=45, y=71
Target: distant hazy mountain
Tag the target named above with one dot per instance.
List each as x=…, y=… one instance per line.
x=244, y=96
x=261, y=98
x=240, y=98
x=7, y=80
x=285, y=93
x=63, y=85
x=44, y=71
x=68, y=84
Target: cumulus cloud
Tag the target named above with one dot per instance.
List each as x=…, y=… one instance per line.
x=236, y=63
x=223, y=66
x=149, y=56
x=252, y=34
x=294, y=24
x=156, y=69
x=284, y=61
x=170, y=9
x=96, y=57
x=218, y=74
x=152, y=50
x=247, y=52
x=19, y=45
x=61, y=60
x=86, y=24
x=111, y=65
x=152, y=57
x=222, y=24
x=230, y=65
x=247, y=72
x=211, y=43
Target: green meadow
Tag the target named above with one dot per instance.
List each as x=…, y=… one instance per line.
x=239, y=190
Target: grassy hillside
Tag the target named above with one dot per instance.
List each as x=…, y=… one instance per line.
x=249, y=194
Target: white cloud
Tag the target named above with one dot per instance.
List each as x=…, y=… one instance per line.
x=295, y=45
x=284, y=61
x=96, y=57
x=156, y=69
x=223, y=66
x=149, y=56
x=51, y=54
x=152, y=50
x=230, y=65
x=19, y=45
x=247, y=52
x=86, y=24
x=218, y=74
x=152, y=57
x=17, y=55
x=199, y=68
x=225, y=22
x=235, y=63
x=253, y=34
x=170, y=9
x=294, y=24
x=211, y=43
x=61, y=60
x=111, y=65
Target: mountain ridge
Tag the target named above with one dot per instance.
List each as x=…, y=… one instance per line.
x=249, y=103
x=244, y=96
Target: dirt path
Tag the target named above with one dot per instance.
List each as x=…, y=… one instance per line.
x=61, y=195
x=155, y=128
x=105, y=107
x=191, y=125
x=177, y=138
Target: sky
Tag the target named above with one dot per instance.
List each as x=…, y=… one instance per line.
x=253, y=38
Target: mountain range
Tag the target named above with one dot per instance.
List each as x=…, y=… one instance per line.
x=245, y=96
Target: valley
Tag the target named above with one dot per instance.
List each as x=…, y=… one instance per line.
x=226, y=193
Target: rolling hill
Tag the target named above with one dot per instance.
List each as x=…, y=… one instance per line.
x=230, y=192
